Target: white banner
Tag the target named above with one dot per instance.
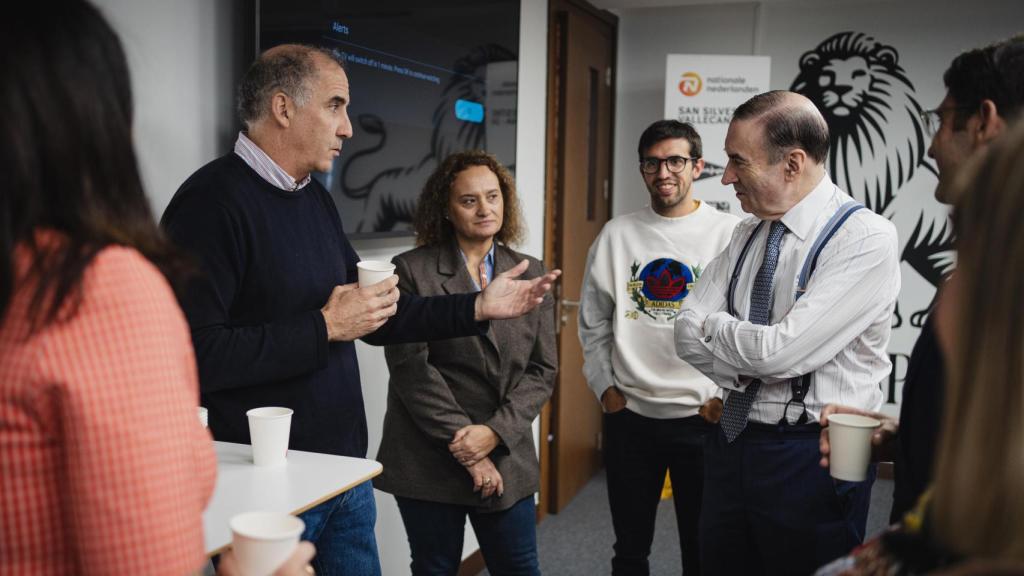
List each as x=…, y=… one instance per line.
x=704, y=90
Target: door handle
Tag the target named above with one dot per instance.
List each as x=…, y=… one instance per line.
x=564, y=303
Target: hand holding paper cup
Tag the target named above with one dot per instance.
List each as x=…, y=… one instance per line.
x=373, y=271
x=269, y=429
x=263, y=541
x=849, y=437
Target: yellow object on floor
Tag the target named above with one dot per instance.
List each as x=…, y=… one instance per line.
x=666, y=490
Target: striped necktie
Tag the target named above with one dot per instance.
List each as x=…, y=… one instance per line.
x=737, y=405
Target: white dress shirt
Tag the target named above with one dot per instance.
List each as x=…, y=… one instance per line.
x=838, y=330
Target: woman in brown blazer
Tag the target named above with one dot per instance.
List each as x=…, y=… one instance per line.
x=458, y=435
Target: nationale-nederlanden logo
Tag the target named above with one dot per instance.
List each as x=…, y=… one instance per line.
x=691, y=84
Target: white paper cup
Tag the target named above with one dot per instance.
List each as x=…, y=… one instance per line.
x=263, y=541
x=374, y=271
x=269, y=429
x=204, y=417
x=849, y=438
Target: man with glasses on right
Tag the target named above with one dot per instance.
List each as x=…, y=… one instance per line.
x=657, y=407
x=984, y=93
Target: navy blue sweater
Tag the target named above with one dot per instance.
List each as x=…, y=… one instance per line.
x=269, y=259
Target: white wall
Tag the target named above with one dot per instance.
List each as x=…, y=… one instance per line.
x=186, y=57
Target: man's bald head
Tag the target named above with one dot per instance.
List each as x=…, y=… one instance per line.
x=789, y=120
x=288, y=68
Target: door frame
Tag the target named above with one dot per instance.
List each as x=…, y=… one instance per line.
x=554, y=151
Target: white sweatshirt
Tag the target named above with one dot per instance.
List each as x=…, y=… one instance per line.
x=639, y=269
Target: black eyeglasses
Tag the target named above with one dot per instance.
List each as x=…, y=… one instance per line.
x=931, y=120
x=675, y=164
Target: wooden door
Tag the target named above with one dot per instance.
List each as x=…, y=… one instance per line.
x=579, y=159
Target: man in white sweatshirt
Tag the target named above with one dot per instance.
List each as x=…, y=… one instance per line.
x=639, y=270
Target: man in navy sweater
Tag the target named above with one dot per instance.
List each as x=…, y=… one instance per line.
x=274, y=312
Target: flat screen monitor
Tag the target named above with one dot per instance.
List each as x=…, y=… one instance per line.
x=427, y=78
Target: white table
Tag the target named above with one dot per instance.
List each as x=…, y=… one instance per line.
x=305, y=481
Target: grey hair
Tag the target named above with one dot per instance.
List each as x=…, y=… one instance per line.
x=286, y=68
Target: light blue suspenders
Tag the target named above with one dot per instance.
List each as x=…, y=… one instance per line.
x=801, y=384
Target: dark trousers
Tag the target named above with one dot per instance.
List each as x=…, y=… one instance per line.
x=508, y=539
x=769, y=508
x=637, y=452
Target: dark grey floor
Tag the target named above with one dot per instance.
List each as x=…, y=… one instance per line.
x=578, y=540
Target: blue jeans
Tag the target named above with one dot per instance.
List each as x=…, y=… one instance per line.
x=342, y=531
x=508, y=539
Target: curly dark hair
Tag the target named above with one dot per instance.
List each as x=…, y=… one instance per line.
x=433, y=228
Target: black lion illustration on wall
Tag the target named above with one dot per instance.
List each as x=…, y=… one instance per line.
x=878, y=145
x=397, y=173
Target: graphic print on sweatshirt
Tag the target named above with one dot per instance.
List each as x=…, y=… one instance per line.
x=657, y=289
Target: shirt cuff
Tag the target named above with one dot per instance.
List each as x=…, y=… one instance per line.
x=726, y=374
x=601, y=386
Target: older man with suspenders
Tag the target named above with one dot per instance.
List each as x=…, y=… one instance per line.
x=794, y=315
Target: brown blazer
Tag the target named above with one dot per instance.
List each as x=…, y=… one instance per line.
x=501, y=380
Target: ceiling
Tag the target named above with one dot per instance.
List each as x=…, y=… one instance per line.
x=627, y=4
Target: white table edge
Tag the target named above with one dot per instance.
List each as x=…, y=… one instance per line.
x=373, y=474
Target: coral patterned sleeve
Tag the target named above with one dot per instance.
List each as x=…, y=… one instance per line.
x=104, y=466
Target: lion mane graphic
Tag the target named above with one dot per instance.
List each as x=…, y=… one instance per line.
x=388, y=177
x=878, y=146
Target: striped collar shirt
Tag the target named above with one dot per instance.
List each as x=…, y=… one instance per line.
x=839, y=329
x=265, y=166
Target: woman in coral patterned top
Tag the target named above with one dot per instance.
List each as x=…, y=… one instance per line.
x=104, y=466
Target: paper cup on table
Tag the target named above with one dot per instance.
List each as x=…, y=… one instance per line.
x=269, y=429
x=263, y=541
x=374, y=271
x=849, y=438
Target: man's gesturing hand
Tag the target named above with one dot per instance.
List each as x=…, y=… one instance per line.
x=506, y=297
x=352, y=312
